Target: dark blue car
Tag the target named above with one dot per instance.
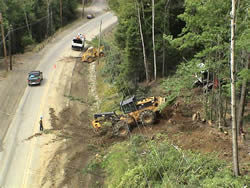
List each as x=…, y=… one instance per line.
x=35, y=78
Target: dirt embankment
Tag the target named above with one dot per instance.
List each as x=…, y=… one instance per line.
x=69, y=141
x=75, y=143
x=199, y=136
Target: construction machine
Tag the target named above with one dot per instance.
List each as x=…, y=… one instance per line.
x=135, y=111
x=92, y=53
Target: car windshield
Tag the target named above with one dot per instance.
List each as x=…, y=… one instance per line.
x=77, y=41
x=33, y=76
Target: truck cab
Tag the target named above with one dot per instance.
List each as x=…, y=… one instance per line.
x=78, y=42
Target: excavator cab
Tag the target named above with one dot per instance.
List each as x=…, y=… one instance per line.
x=128, y=105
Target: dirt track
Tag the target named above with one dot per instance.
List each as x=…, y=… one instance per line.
x=72, y=130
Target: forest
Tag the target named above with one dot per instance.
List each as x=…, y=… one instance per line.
x=29, y=22
x=186, y=41
x=181, y=45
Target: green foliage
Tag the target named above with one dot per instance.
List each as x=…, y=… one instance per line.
x=244, y=74
x=129, y=64
x=143, y=163
x=206, y=40
x=182, y=81
x=27, y=40
x=92, y=167
x=35, y=14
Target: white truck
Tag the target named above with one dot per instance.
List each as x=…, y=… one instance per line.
x=78, y=42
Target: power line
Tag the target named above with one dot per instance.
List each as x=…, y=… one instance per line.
x=35, y=22
x=1, y=41
x=30, y=24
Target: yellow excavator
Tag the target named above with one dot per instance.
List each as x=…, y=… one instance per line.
x=135, y=111
x=92, y=53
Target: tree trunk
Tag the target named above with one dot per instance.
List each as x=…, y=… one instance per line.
x=164, y=42
x=143, y=45
x=3, y=40
x=48, y=21
x=241, y=107
x=233, y=95
x=27, y=22
x=83, y=3
x=220, y=106
x=153, y=37
x=142, y=6
x=61, y=16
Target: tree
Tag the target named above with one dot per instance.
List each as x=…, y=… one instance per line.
x=143, y=45
x=233, y=94
x=32, y=20
x=143, y=18
x=244, y=90
x=243, y=48
x=153, y=37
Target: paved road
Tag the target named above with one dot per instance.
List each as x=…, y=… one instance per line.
x=17, y=155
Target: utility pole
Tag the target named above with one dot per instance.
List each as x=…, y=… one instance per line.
x=99, y=43
x=10, y=45
x=4, y=46
x=51, y=21
x=233, y=94
x=83, y=3
x=61, y=13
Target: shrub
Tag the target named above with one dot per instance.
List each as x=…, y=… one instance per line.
x=143, y=163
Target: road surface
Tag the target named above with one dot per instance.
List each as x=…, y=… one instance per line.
x=17, y=156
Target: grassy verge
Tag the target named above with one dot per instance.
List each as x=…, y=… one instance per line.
x=141, y=162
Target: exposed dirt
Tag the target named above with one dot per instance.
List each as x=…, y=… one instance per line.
x=196, y=136
x=79, y=143
x=70, y=134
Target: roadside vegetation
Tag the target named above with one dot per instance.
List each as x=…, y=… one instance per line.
x=142, y=162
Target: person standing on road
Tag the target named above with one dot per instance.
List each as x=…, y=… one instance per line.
x=41, y=123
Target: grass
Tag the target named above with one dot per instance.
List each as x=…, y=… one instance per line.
x=109, y=100
x=72, y=98
x=143, y=163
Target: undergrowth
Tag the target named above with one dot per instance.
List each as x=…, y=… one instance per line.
x=141, y=162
